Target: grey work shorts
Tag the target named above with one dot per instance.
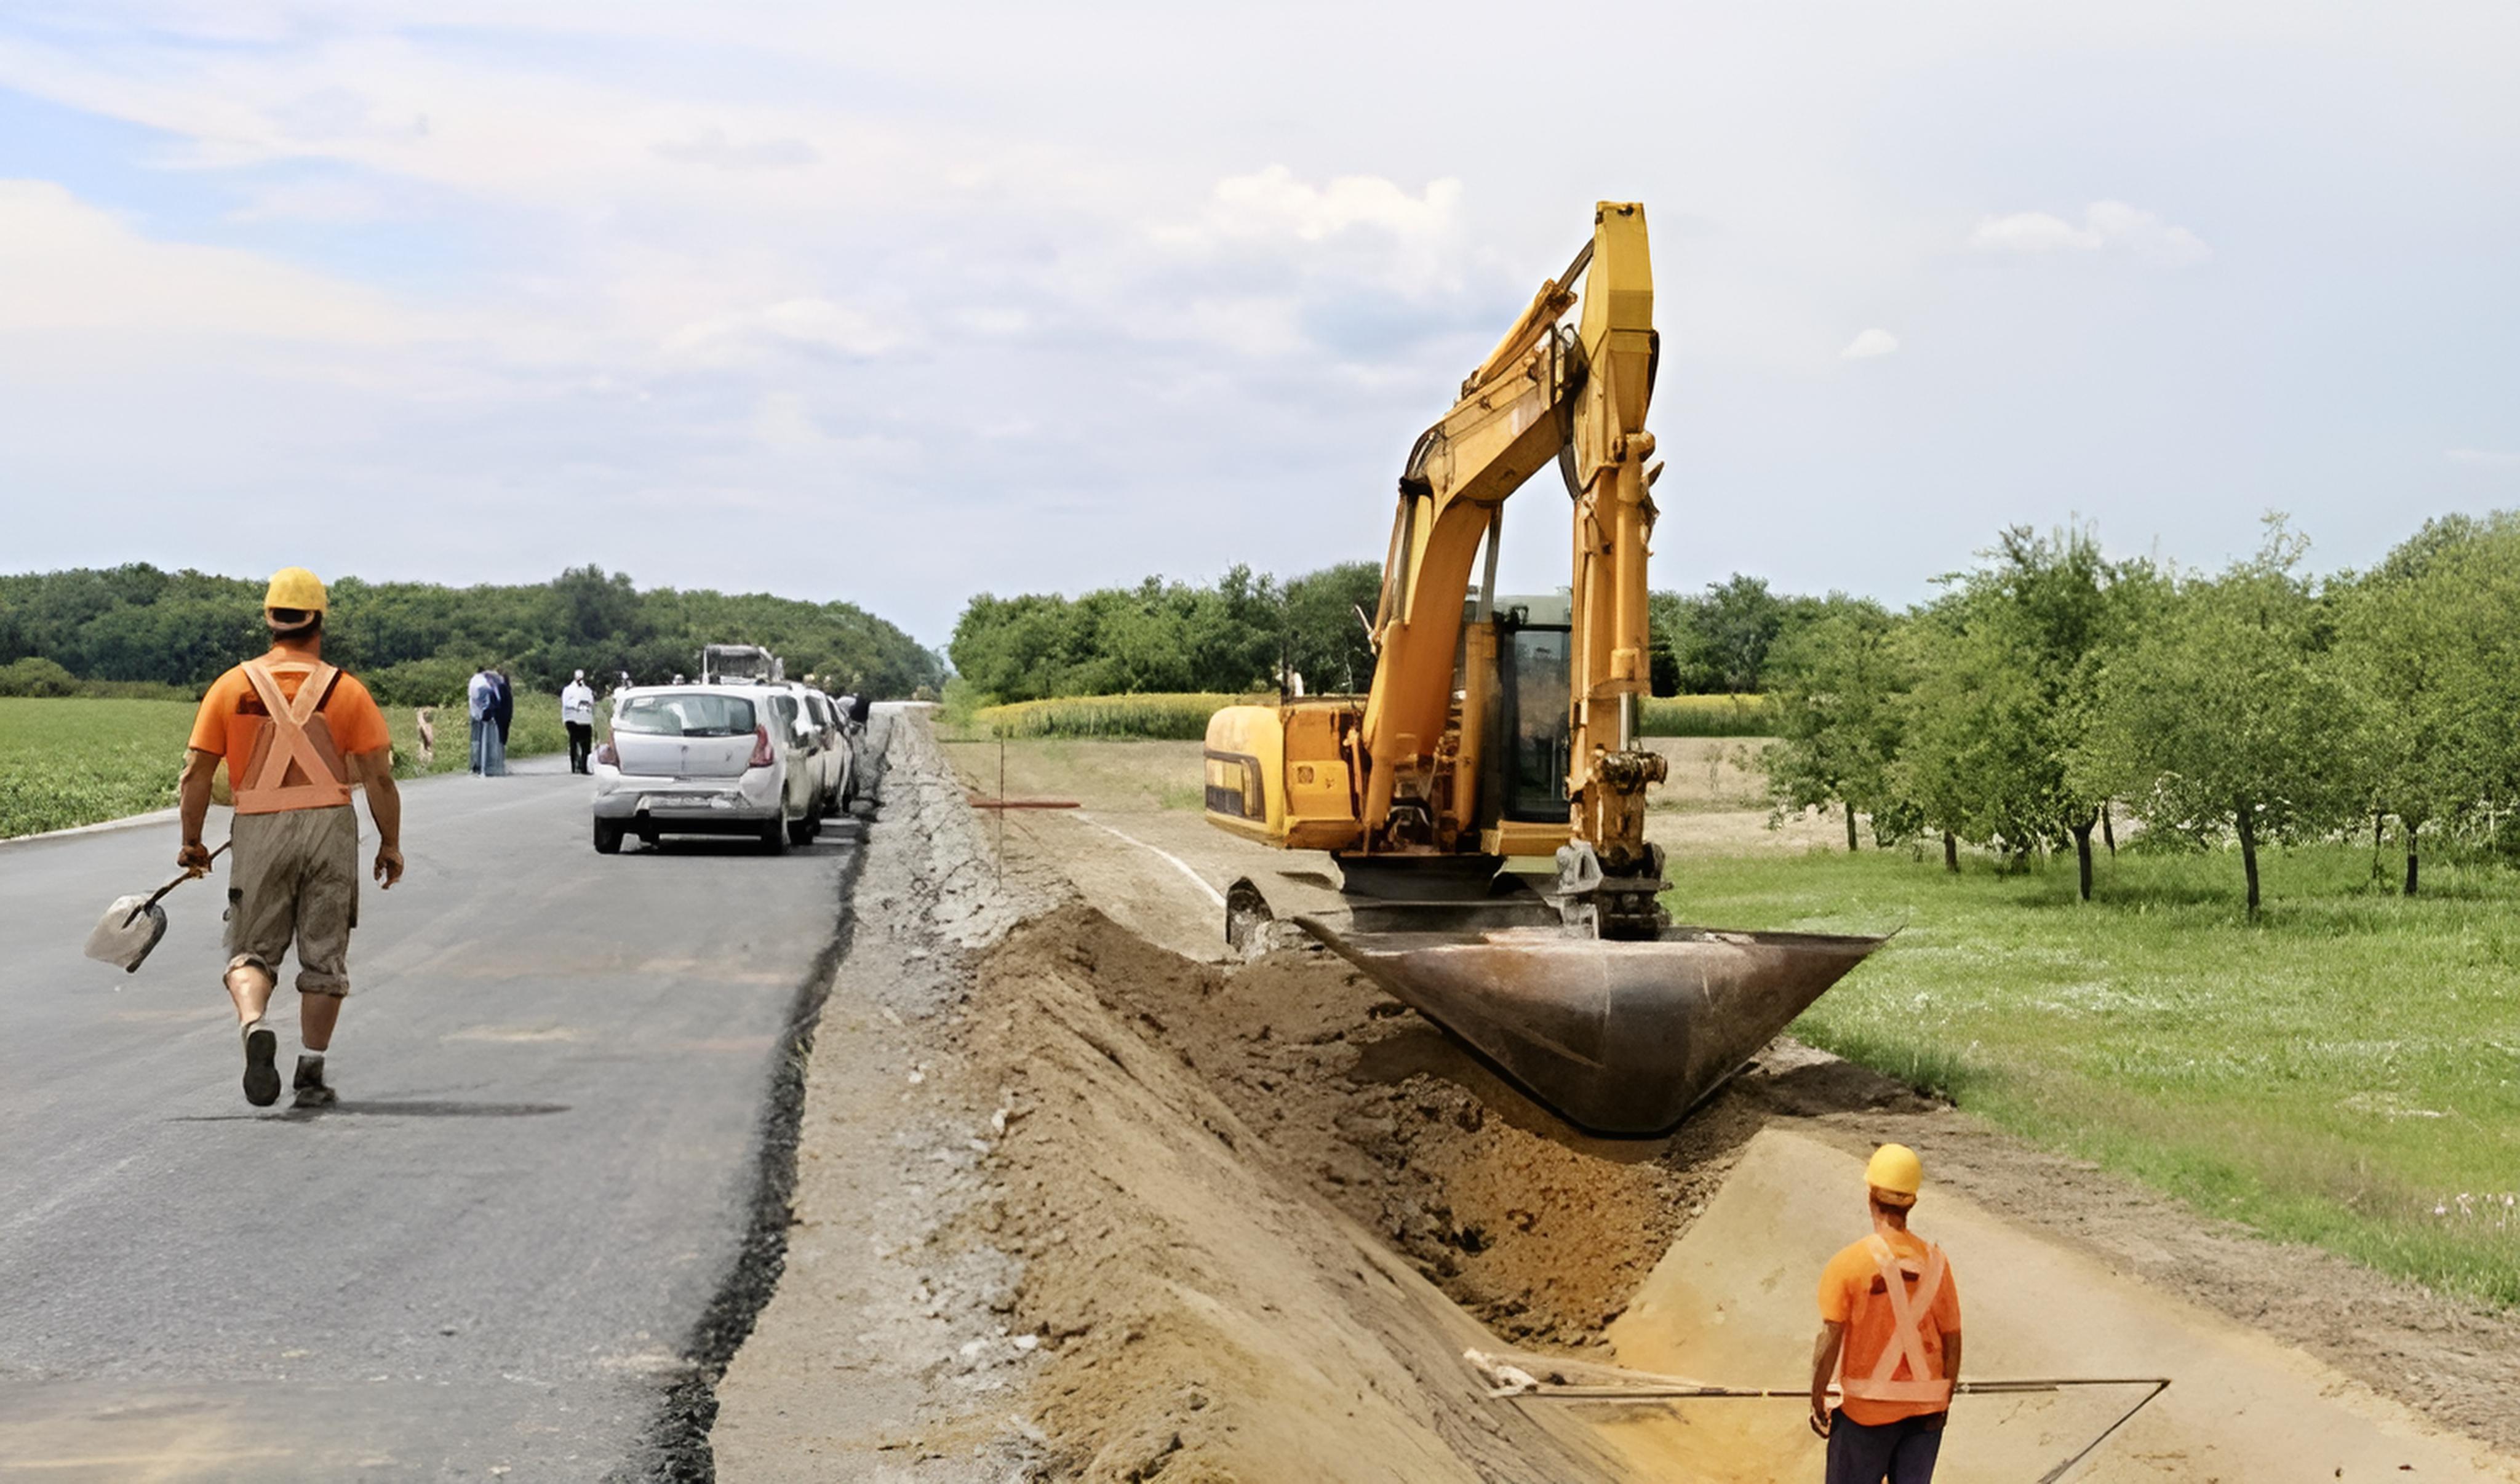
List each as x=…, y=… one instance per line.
x=295, y=876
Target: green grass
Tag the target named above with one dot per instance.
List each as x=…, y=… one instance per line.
x=75, y=761
x=2346, y=1072
x=1704, y=716
x=80, y=760
x=1164, y=718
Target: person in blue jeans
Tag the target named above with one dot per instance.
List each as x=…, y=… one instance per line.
x=480, y=697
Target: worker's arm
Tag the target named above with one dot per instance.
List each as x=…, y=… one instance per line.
x=385, y=806
x=193, y=805
x=1824, y=1348
x=1952, y=1356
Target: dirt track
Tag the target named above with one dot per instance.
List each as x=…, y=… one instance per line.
x=1252, y=1216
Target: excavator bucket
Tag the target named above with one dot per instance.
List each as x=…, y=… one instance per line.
x=1617, y=1036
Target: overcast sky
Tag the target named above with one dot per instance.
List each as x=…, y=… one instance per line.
x=901, y=302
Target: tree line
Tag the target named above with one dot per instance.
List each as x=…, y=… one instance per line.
x=1233, y=636
x=417, y=642
x=2048, y=687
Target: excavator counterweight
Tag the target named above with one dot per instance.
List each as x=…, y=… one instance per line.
x=1504, y=730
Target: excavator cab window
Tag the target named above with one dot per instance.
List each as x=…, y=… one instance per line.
x=1533, y=681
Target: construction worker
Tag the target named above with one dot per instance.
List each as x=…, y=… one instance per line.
x=1890, y=1331
x=296, y=735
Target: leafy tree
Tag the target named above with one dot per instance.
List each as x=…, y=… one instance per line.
x=2010, y=662
x=1839, y=681
x=2429, y=643
x=2225, y=711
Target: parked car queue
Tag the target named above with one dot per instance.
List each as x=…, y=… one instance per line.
x=766, y=758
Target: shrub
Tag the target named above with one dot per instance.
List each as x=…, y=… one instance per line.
x=35, y=676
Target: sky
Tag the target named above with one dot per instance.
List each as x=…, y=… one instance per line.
x=900, y=303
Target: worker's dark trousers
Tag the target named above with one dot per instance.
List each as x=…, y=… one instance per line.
x=581, y=740
x=1901, y=1451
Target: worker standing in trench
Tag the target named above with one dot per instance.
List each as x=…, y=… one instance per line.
x=1890, y=1311
x=295, y=735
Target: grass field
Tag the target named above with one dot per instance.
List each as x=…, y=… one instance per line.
x=75, y=761
x=1704, y=716
x=2346, y=1072
x=78, y=760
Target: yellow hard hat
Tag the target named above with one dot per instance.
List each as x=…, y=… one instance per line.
x=1895, y=1170
x=294, y=587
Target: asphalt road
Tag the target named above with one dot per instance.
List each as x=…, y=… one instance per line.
x=489, y=1259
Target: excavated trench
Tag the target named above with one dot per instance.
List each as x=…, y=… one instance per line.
x=1263, y=1210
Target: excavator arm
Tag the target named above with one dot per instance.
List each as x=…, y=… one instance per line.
x=1576, y=395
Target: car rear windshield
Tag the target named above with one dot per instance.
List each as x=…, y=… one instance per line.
x=692, y=713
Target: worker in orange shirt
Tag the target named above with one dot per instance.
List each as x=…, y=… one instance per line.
x=297, y=735
x=1890, y=1331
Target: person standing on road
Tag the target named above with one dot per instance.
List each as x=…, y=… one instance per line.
x=479, y=694
x=297, y=735
x=1890, y=1327
x=577, y=713
x=503, y=713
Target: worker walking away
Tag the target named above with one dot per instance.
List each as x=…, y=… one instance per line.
x=1890, y=1332
x=577, y=713
x=297, y=735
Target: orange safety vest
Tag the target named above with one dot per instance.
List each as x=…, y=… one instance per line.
x=1909, y=1313
x=294, y=738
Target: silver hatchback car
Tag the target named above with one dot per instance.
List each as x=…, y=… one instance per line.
x=705, y=759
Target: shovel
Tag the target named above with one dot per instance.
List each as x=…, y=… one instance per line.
x=133, y=925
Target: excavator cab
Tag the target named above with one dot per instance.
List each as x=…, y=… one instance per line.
x=1533, y=737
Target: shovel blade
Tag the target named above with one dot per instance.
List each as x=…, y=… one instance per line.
x=129, y=928
x=1617, y=1037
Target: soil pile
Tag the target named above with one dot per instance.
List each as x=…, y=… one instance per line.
x=1206, y=1315
x=1541, y=1231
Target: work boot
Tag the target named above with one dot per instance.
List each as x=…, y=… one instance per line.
x=261, y=1073
x=311, y=1090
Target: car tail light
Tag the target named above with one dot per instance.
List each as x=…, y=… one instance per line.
x=763, y=756
x=604, y=754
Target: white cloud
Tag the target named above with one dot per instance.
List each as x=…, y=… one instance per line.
x=812, y=322
x=1361, y=226
x=67, y=266
x=2110, y=226
x=2483, y=458
x=1872, y=343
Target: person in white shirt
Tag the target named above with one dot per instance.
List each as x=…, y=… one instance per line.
x=577, y=713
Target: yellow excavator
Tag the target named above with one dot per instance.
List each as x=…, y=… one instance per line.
x=1504, y=729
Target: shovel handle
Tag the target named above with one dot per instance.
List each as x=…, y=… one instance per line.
x=177, y=882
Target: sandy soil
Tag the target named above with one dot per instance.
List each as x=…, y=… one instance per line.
x=1144, y=1213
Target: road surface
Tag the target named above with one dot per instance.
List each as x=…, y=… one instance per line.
x=490, y=1259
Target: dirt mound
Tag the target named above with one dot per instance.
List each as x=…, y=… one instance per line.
x=1207, y=1317
x=1540, y=1232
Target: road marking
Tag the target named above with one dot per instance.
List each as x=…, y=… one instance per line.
x=1178, y=863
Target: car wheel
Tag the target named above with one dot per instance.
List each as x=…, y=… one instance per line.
x=773, y=835
x=608, y=838
x=802, y=831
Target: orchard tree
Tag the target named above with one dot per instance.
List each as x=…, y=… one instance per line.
x=2010, y=658
x=1837, y=684
x=2430, y=645
x=2228, y=710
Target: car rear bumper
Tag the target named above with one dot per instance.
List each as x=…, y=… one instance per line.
x=739, y=805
